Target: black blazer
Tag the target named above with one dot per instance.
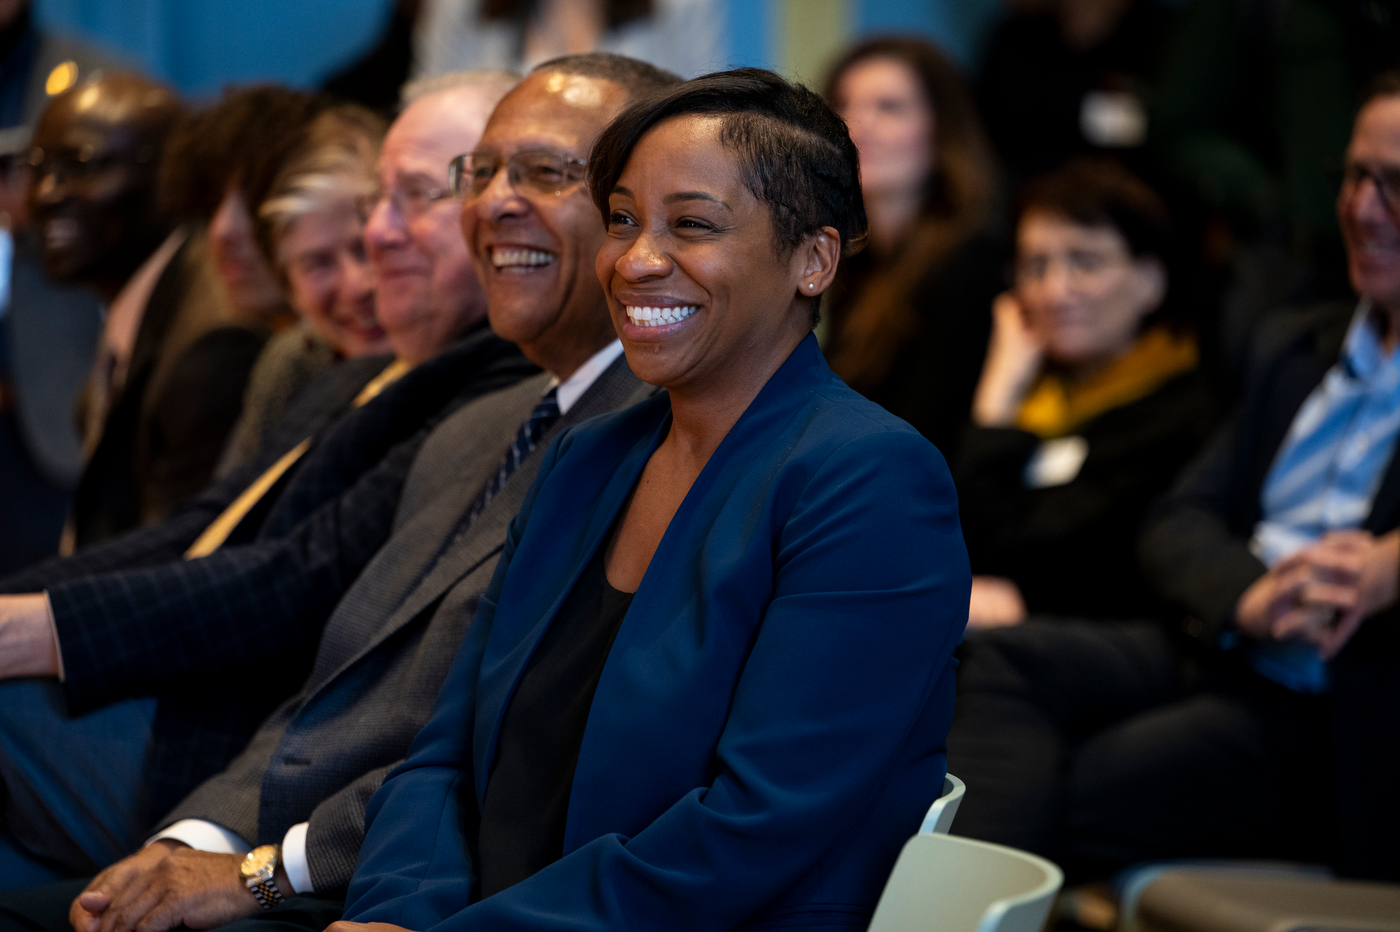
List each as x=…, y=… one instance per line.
x=183, y=392
x=134, y=618
x=1070, y=548
x=1194, y=549
x=1194, y=546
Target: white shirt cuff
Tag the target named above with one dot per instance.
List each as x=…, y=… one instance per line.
x=294, y=858
x=204, y=836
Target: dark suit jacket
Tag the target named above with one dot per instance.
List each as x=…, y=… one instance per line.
x=183, y=392
x=769, y=726
x=191, y=631
x=1194, y=546
x=387, y=646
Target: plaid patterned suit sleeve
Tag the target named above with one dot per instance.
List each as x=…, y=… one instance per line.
x=138, y=632
x=143, y=631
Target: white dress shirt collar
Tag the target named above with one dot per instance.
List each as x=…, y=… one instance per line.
x=572, y=388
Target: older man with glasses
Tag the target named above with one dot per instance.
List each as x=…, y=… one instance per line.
x=1281, y=547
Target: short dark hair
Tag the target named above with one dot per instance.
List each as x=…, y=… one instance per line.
x=1099, y=191
x=638, y=77
x=795, y=153
x=1385, y=84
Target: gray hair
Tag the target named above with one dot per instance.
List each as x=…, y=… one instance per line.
x=333, y=161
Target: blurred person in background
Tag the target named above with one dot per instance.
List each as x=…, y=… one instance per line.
x=183, y=331
x=1250, y=119
x=686, y=36
x=1063, y=78
x=1089, y=404
x=311, y=230
x=95, y=154
x=907, y=320
x=48, y=334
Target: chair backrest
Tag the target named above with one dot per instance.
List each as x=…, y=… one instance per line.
x=951, y=884
x=940, y=815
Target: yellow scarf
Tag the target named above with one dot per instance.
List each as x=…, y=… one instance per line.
x=1056, y=409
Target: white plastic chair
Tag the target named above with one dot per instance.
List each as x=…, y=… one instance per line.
x=943, y=883
x=940, y=815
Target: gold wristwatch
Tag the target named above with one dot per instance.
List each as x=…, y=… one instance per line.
x=259, y=872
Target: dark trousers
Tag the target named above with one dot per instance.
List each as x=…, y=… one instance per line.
x=1078, y=741
x=45, y=909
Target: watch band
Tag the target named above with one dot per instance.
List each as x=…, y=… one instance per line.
x=262, y=881
x=267, y=893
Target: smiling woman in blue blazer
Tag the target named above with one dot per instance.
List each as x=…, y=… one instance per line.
x=710, y=684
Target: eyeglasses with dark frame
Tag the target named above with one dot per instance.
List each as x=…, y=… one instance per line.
x=1386, y=180
x=539, y=171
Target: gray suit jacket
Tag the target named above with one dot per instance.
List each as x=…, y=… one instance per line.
x=389, y=643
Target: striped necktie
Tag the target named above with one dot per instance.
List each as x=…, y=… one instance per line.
x=540, y=420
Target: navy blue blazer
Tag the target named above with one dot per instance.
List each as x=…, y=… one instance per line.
x=769, y=727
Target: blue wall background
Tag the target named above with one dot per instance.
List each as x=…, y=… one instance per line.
x=201, y=45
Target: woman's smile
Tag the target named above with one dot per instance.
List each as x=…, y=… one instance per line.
x=657, y=316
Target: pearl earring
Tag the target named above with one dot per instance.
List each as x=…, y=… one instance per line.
x=810, y=285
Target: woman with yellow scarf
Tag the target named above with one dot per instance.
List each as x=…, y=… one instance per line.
x=1089, y=403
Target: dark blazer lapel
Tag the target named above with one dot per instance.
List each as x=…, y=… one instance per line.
x=445, y=568
x=1297, y=372
x=1385, y=509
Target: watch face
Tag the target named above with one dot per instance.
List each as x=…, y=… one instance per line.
x=258, y=859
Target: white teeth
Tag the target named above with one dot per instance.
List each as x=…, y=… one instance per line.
x=657, y=316
x=529, y=258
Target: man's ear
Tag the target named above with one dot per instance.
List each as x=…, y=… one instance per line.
x=817, y=257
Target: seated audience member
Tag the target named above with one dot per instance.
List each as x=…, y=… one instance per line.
x=179, y=338
x=311, y=230
x=1089, y=404
x=403, y=619
x=48, y=334
x=745, y=591
x=1065, y=78
x=1280, y=544
x=272, y=547
x=907, y=319
x=96, y=150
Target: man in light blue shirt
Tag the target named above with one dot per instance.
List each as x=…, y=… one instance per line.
x=1280, y=546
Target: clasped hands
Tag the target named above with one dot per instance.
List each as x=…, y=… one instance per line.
x=163, y=886
x=168, y=884
x=1323, y=593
